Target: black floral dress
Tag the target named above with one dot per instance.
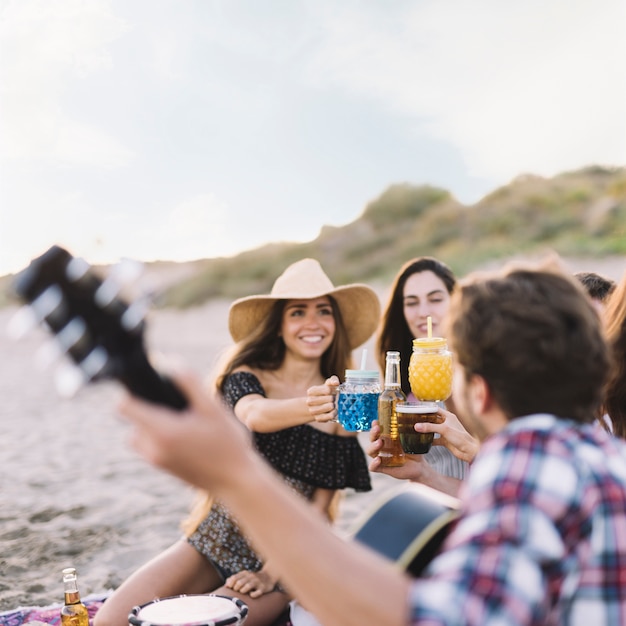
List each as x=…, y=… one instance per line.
x=306, y=457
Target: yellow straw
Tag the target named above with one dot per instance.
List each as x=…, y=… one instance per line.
x=429, y=321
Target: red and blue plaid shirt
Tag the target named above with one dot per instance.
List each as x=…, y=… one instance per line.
x=542, y=535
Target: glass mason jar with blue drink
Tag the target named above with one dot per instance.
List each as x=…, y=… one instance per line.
x=357, y=399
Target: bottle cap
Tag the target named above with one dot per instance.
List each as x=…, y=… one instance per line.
x=361, y=373
x=69, y=574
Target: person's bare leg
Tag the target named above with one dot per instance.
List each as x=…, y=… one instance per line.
x=262, y=611
x=179, y=569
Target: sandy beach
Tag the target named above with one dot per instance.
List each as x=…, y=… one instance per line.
x=72, y=490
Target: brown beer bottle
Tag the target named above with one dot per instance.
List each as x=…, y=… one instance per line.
x=391, y=454
x=73, y=612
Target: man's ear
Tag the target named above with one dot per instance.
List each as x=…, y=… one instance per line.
x=484, y=405
x=479, y=395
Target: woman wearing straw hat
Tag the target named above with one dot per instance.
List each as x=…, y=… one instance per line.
x=288, y=344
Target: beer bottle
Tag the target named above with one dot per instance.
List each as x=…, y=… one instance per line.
x=391, y=454
x=73, y=612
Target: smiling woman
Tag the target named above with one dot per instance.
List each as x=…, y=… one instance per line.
x=421, y=291
x=278, y=379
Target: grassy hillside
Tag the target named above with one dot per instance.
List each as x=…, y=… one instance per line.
x=581, y=213
x=577, y=214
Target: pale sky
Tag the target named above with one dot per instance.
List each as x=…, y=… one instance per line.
x=182, y=129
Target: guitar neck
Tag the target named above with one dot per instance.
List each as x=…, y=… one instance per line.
x=143, y=380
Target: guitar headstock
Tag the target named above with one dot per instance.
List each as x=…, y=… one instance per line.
x=101, y=333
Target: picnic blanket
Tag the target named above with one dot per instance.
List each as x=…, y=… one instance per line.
x=50, y=614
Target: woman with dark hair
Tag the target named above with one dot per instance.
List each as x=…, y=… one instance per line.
x=422, y=289
x=288, y=343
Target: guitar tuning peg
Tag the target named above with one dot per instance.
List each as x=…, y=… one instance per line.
x=121, y=275
x=47, y=354
x=76, y=268
x=21, y=323
x=107, y=292
x=68, y=379
x=134, y=315
x=127, y=271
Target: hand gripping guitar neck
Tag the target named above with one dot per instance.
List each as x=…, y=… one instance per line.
x=101, y=333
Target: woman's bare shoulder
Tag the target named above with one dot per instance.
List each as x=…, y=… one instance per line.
x=261, y=375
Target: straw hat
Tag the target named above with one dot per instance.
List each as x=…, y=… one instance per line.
x=304, y=280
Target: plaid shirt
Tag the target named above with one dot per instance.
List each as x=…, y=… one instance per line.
x=542, y=535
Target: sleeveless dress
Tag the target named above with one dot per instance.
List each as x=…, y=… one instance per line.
x=306, y=457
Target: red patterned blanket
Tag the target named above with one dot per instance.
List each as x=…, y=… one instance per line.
x=46, y=614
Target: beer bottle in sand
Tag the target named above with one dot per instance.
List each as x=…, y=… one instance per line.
x=73, y=612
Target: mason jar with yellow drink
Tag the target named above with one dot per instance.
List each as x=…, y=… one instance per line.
x=430, y=369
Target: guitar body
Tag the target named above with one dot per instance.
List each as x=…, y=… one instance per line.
x=408, y=526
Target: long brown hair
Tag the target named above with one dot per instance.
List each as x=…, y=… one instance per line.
x=615, y=330
x=264, y=349
x=394, y=332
